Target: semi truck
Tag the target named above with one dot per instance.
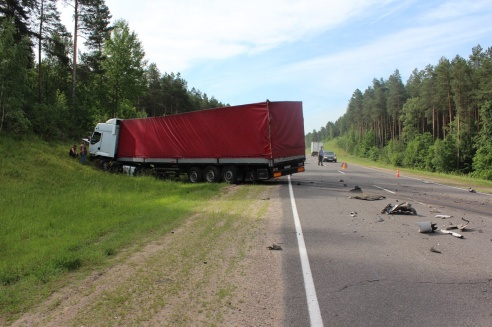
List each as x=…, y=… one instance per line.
x=249, y=142
x=315, y=147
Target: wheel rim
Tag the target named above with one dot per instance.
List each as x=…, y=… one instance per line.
x=210, y=176
x=194, y=177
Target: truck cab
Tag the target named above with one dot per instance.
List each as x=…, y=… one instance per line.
x=104, y=140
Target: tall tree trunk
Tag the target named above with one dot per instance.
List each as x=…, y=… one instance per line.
x=74, y=69
x=40, y=60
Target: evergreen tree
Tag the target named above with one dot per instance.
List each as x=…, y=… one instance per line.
x=482, y=161
x=395, y=100
x=46, y=20
x=13, y=78
x=124, y=69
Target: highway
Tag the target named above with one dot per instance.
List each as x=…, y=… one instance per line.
x=348, y=264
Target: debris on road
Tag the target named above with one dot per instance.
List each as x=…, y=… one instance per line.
x=459, y=226
x=426, y=226
x=274, y=247
x=471, y=190
x=451, y=233
x=432, y=249
x=404, y=207
x=443, y=216
x=356, y=189
x=353, y=214
x=367, y=197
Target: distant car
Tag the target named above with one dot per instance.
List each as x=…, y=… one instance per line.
x=330, y=156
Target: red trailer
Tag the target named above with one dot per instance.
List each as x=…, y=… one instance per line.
x=246, y=142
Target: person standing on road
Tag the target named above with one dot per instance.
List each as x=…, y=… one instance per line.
x=321, y=154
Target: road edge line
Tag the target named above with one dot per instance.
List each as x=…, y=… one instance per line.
x=312, y=300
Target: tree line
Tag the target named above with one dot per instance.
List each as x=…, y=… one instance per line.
x=439, y=120
x=50, y=87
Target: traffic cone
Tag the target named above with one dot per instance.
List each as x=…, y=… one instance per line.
x=344, y=165
x=398, y=173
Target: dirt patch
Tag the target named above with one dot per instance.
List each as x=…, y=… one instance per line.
x=215, y=270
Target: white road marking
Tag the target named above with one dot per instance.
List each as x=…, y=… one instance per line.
x=384, y=189
x=341, y=172
x=312, y=300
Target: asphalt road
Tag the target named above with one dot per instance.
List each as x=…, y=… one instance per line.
x=374, y=269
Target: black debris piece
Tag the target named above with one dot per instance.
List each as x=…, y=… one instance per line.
x=356, y=189
x=274, y=247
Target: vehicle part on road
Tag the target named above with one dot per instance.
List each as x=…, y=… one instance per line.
x=443, y=216
x=451, y=233
x=426, y=226
x=404, y=207
x=460, y=226
x=368, y=197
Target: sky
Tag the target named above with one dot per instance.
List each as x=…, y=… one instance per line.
x=317, y=51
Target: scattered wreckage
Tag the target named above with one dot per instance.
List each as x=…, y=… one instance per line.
x=401, y=208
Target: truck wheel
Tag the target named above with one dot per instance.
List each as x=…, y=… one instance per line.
x=212, y=174
x=105, y=165
x=195, y=175
x=229, y=174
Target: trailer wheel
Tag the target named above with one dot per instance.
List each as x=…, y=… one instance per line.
x=195, y=175
x=212, y=174
x=229, y=174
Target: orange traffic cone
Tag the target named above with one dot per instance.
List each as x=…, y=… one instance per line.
x=344, y=165
x=398, y=173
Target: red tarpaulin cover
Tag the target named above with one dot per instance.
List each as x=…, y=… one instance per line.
x=261, y=130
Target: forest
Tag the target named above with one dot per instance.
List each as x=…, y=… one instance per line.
x=53, y=87
x=440, y=120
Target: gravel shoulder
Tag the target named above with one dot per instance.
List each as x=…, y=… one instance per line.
x=215, y=270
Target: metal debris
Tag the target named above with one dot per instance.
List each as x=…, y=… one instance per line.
x=274, y=247
x=443, y=216
x=405, y=208
x=451, y=233
x=459, y=226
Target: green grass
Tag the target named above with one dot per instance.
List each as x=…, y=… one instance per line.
x=454, y=180
x=60, y=220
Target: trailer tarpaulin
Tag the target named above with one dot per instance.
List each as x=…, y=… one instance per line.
x=265, y=130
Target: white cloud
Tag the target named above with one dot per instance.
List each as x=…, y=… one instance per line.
x=177, y=34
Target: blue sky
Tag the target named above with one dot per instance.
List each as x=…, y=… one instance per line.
x=318, y=51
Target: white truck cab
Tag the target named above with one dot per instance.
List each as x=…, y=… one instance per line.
x=104, y=140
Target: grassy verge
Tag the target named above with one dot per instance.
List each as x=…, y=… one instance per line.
x=60, y=220
x=453, y=180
